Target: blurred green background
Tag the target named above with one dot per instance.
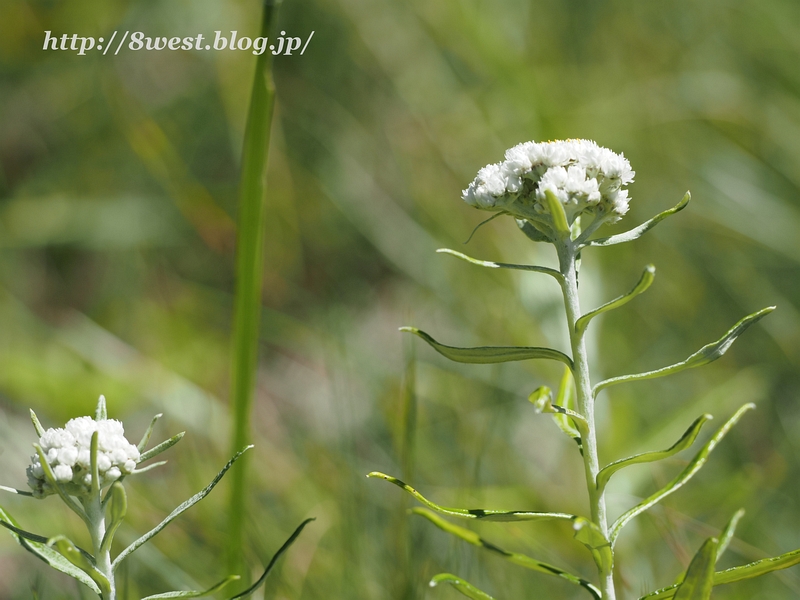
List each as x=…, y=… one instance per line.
x=118, y=180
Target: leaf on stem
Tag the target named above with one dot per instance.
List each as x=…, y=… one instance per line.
x=644, y=282
x=93, y=463
x=51, y=479
x=484, y=222
x=37, y=424
x=567, y=420
x=532, y=232
x=156, y=450
x=490, y=354
x=693, y=467
x=118, y=509
x=748, y=571
x=687, y=439
x=727, y=533
x=466, y=588
x=15, y=491
x=518, y=559
x=589, y=534
x=295, y=534
x=37, y=545
x=101, y=412
x=150, y=467
x=706, y=354
x=196, y=593
x=180, y=509
x=699, y=579
x=474, y=513
x=637, y=232
x=497, y=265
x=556, y=210
x=146, y=437
x=78, y=558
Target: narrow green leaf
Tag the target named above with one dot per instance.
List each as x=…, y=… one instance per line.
x=687, y=439
x=466, y=588
x=250, y=233
x=150, y=467
x=15, y=491
x=496, y=265
x=37, y=545
x=568, y=421
x=474, y=513
x=51, y=479
x=37, y=424
x=156, y=450
x=93, y=462
x=118, y=509
x=69, y=551
x=535, y=234
x=556, y=210
x=518, y=559
x=101, y=412
x=727, y=533
x=180, y=509
x=637, y=232
x=490, y=354
x=693, y=467
x=699, y=579
x=484, y=222
x=740, y=573
x=706, y=354
x=645, y=282
x=275, y=558
x=589, y=534
x=197, y=593
x=146, y=437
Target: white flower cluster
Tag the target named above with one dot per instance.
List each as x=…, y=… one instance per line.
x=68, y=452
x=583, y=176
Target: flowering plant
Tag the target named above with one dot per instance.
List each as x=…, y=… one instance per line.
x=561, y=192
x=85, y=464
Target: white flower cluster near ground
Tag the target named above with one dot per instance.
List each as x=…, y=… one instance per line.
x=583, y=176
x=68, y=452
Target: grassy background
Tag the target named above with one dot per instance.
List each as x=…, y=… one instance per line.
x=118, y=187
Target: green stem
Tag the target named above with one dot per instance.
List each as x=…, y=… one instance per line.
x=583, y=385
x=249, y=268
x=95, y=512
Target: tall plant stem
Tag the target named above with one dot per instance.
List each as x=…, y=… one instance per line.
x=249, y=268
x=97, y=529
x=568, y=266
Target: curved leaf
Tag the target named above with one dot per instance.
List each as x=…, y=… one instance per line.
x=51, y=479
x=183, y=507
x=637, y=232
x=645, y=281
x=474, y=513
x=706, y=354
x=196, y=593
x=533, y=233
x=146, y=437
x=693, y=467
x=589, y=534
x=687, y=439
x=568, y=421
x=496, y=265
x=556, y=210
x=156, y=450
x=484, y=222
x=78, y=558
x=727, y=533
x=490, y=354
x=748, y=571
x=699, y=579
x=518, y=559
x=275, y=558
x=37, y=545
x=119, y=508
x=466, y=588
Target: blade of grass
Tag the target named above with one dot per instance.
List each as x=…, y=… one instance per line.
x=249, y=268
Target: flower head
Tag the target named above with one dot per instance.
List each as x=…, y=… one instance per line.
x=68, y=453
x=584, y=177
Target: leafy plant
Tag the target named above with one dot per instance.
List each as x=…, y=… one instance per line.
x=561, y=193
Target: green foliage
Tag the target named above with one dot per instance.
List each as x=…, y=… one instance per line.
x=466, y=588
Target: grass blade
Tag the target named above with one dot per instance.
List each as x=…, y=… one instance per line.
x=687, y=439
x=474, y=513
x=706, y=354
x=485, y=355
x=466, y=588
x=518, y=559
x=693, y=467
x=249, y=275
x=275, y=558
x=183, y=507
